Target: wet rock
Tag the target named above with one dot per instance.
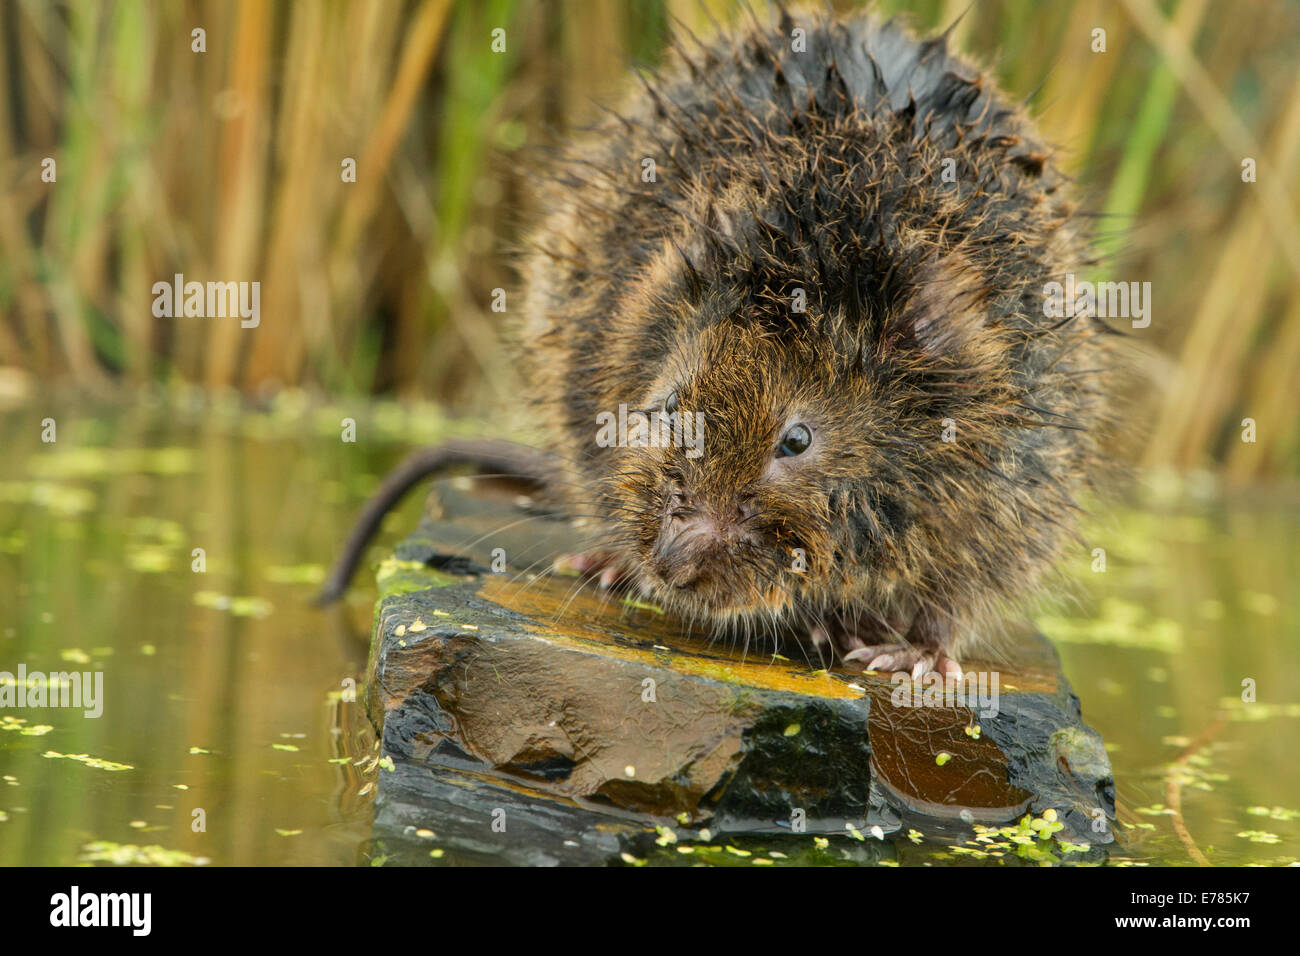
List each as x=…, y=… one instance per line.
x=533, y=719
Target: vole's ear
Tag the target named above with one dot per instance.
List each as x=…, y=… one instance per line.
x=943, y=313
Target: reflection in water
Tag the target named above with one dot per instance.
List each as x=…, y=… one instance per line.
x=223, y=686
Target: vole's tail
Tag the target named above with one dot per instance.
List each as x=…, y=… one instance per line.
x=486, y=454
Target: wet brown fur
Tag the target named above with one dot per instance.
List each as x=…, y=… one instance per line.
x=820, y=171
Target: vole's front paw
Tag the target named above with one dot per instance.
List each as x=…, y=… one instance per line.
x=906, y=659
x=612, y=568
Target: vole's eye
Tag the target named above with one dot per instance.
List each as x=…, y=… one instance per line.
x=670, y=403
x=795, y=441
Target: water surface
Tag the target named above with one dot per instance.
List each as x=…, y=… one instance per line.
x=225, y=738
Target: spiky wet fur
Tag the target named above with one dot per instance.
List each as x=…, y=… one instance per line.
x=822, y=171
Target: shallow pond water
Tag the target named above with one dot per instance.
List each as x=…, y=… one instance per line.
x=224, y=737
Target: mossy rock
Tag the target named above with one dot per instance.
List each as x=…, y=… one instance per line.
x=581, y=721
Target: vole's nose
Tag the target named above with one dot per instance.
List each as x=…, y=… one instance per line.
x=723, y=518
x=697, y=537
x=727, y=504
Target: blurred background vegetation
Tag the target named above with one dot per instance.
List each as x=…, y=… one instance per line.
x=225, y=165
x=175, y=434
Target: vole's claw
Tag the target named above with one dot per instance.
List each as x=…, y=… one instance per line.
x=948, y=667
x=612, y=568
x=573, y=564
x=900, y=659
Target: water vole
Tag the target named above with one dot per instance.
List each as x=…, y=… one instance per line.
x=827, y=241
